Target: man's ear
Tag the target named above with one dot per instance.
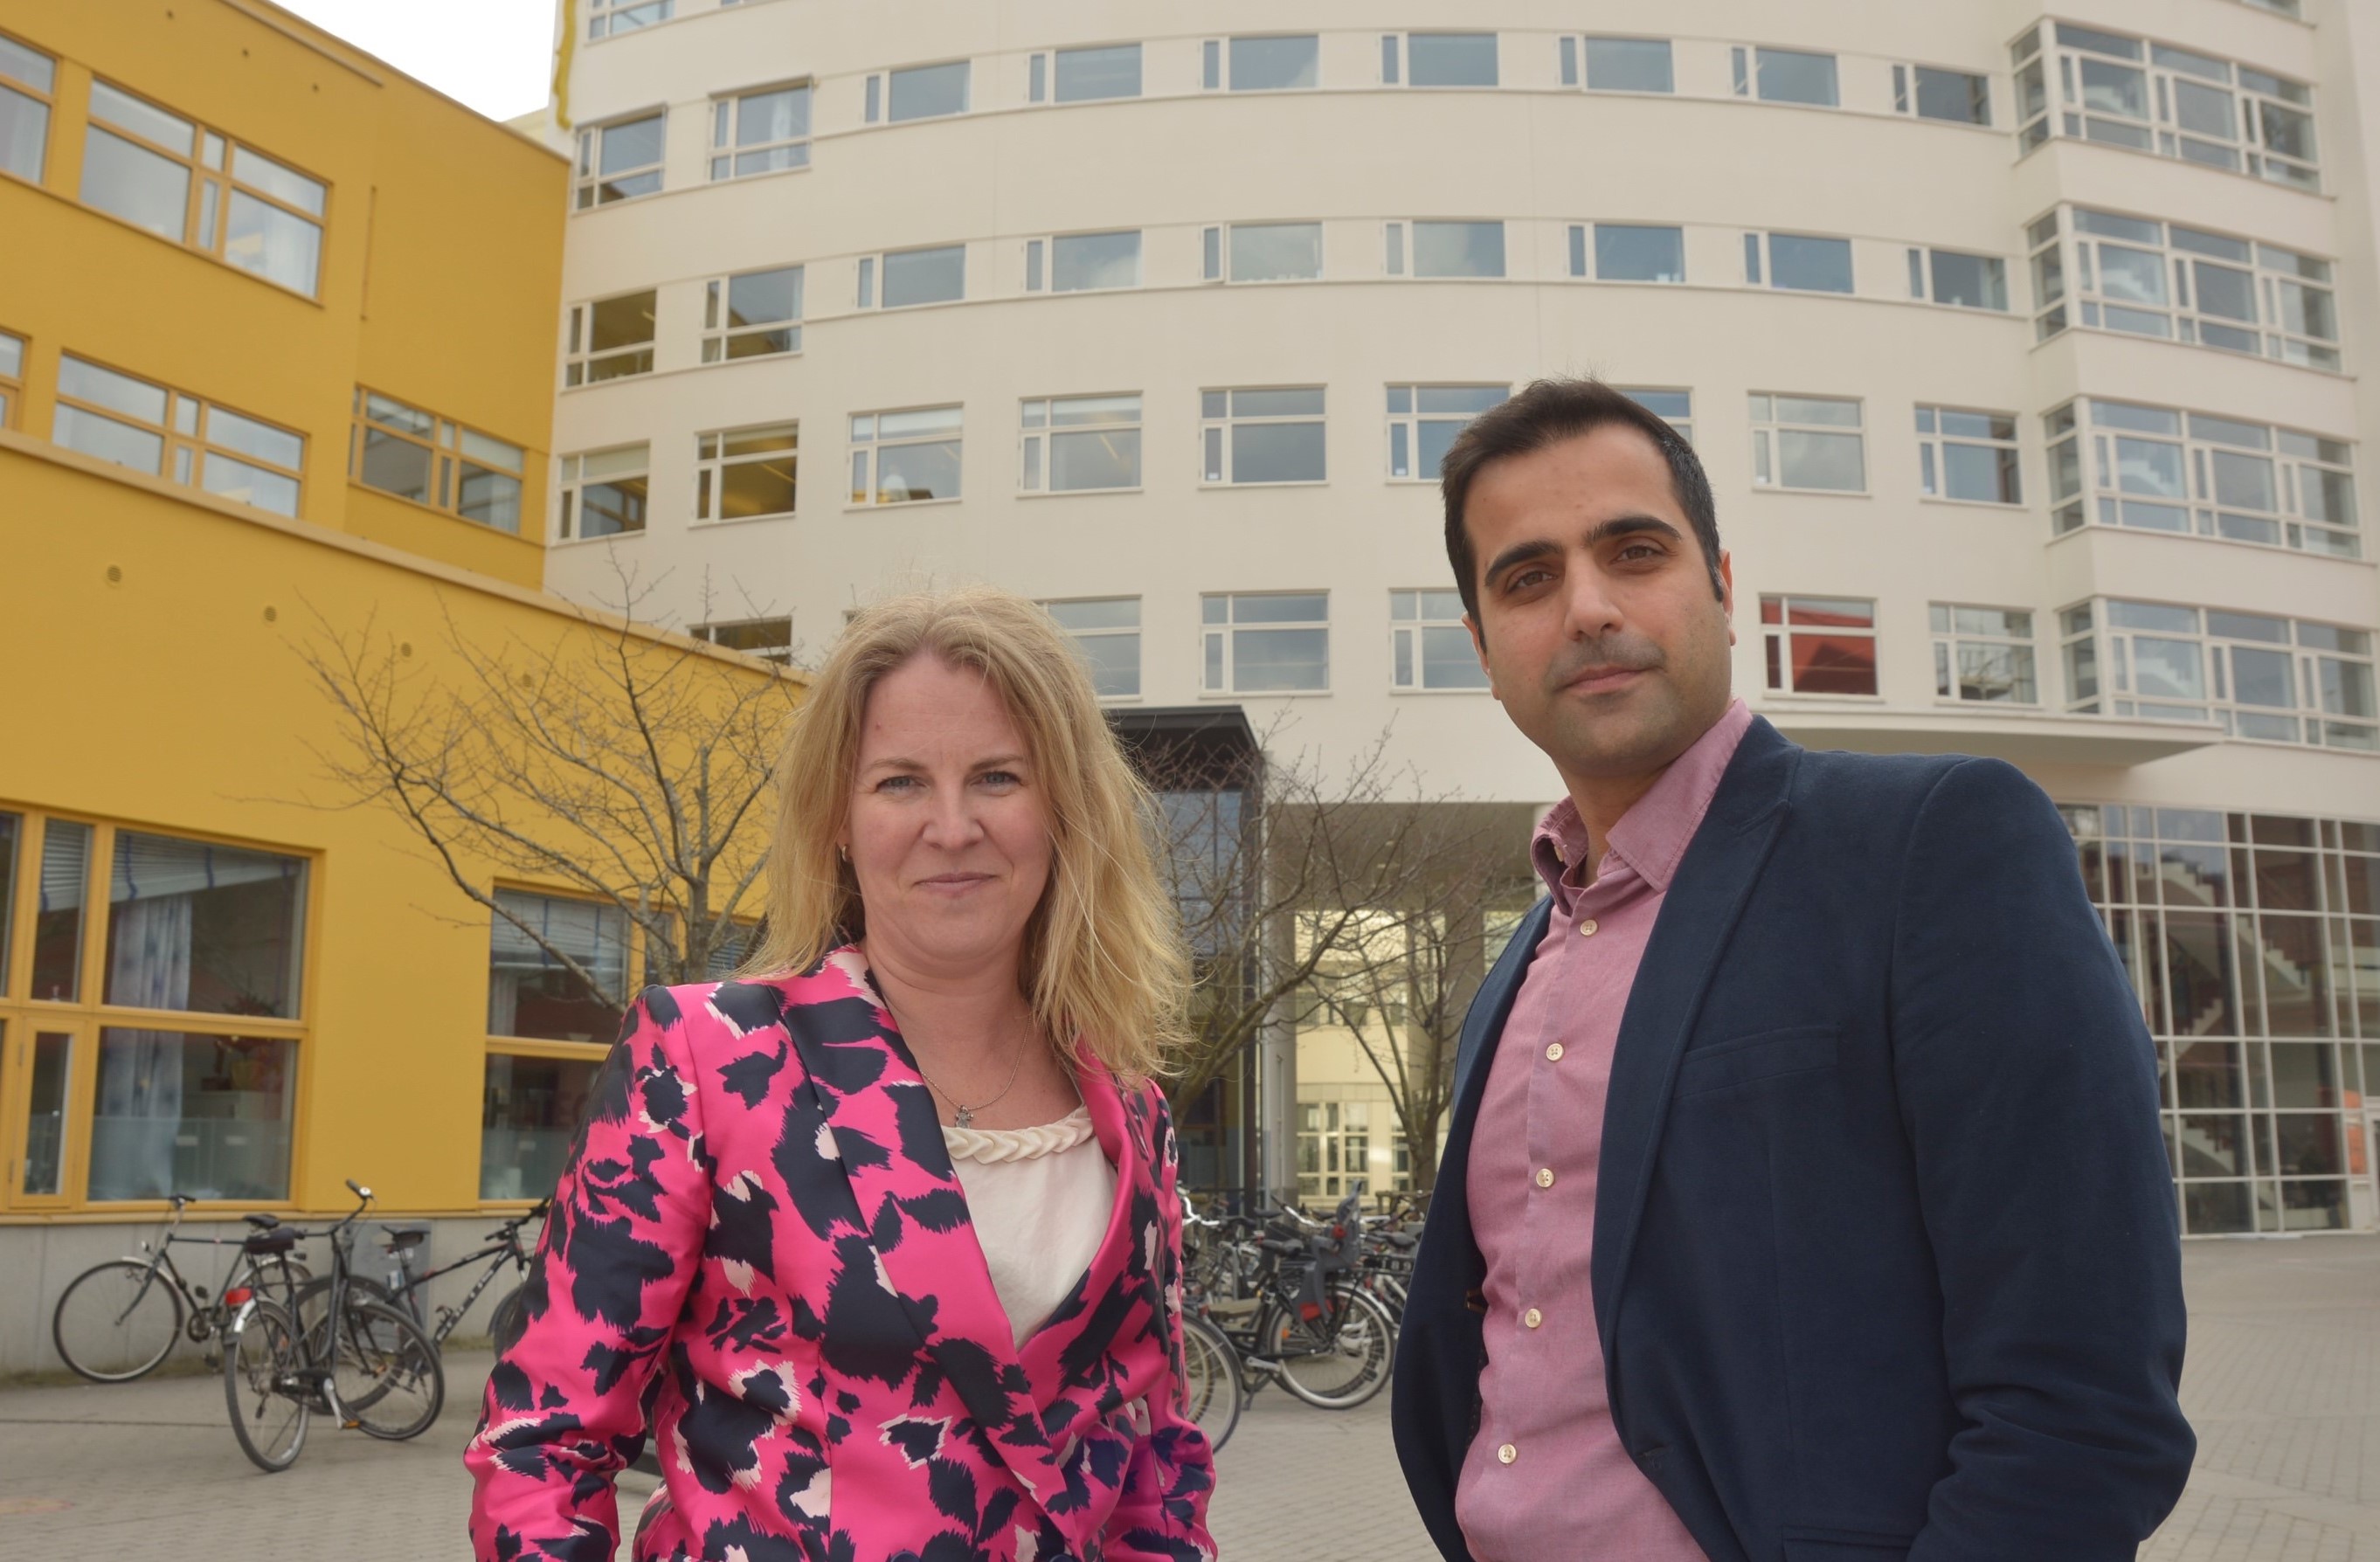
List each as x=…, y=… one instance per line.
x=1727, y=591
x=1479, y=649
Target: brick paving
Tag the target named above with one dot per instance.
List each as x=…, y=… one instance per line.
x=2283, y=1384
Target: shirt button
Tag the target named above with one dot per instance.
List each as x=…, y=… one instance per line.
x=1507, y=1454
x=1545, y=1177
x=1587, y=928
x=1532, y=1319
x=1554, y=1052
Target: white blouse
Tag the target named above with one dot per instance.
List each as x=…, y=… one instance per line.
x=1040, y=1199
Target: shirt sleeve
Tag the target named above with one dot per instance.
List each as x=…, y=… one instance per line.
x=566, y=1405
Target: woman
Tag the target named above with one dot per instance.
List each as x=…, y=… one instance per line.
x=883, y=1244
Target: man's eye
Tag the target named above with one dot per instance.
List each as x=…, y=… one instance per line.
x=1639, y=550
x=1527, y=578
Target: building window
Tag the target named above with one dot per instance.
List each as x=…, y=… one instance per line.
x=1262, y=436
x=904, y=457
x=1784, y=76
x=1630, y=252
x=2121, y=464
x=1273, y=64
x=918, y=92
x=1106, y=630
x=405, y=451
x=530, y=1110
x=744, y=474
x=1619, y=64
x=2209, y=290
x=1265, y=251
x=610, y=339
x=1083, y=263
x=1967, y=282
x=604, y=493
x=753, y=315
x=760, y=132
x=1334, y=1148
x=1983, y=654
x=2233, y=929
x=609, y=18
x=1808, y=443
x=1674, y=407
x=1968, y=455
x=1458, y=250
x=618, y=161
x=27, y=78
x=1797, y=261
x=1438, y=59
x=1819, y=645
x=2260, y=677
x=140, y=163
x=935, y=276
x=177, y=436
x=1424, y=419
x=1429, y=647
x=213, y=934
x=1260, y=643
x=12, y=377
x=1080, y=444
x=1086, y=75
x=1954, y=95
x=532, y=992
x=770, y=639
x=2150, y=97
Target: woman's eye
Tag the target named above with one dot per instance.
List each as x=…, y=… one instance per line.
x=897, y=783
x=1000, y=780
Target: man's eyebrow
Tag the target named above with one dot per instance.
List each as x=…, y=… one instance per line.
x=1519, y=553
x=1626, y=526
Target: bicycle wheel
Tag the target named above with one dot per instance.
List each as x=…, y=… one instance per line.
x=260, y=1358
x=386, y=1376
x=1344, y=1369
x=1210, y=1395
x=116, y=1321
x=508, y=1317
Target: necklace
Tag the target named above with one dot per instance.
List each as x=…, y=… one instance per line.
x=965, y=1114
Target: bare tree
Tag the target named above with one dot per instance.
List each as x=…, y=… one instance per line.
x=618, y=763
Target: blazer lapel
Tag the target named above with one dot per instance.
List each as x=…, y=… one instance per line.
x=919, y=1243
x=1698, y=915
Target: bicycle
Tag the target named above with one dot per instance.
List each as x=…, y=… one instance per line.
x=1292, y=1305
x=118, y=1321
x=356, y=1359
x=408, y=1290
x=1212, y=1393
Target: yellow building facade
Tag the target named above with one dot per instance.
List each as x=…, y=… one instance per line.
x=276, y=363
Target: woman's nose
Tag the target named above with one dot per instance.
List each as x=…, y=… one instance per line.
x=951, y=821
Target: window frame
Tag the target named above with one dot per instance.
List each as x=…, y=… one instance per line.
x=727, y=121
x=1215, y=239
x=867, y=448
x=610, y=19
x=877, y=91
x=570, y=502
x=185, y=445
x=578, y=364
x=1760, y=263
x=44, y=98
x=720, y=332
x=448, y=458
x=1041, y=260
x=1747, y=61
x=1217, y=448
x=2113, y=656
x=2069, y=242
x=1396, y=60
x=13, y=345
x=587, y=178
x=1684, y=431
x=1778, y=636
x=1042, y=73
x=1408, y=660
x=2084, y=441
x=1769, y=456
x=1226, y=631
x=1908, y=91
x=873, y=275
x=1575, y=62
x=1404, y=426
x=2052, y=58
x=1933, y=465
x=713, y=459
x=1037, y=450
x=781, y=656
x=1395, y=235
x=1136, y=632
x=1216, y=72
x=1586, y=252
x=1949, y=638
x=1925, y=278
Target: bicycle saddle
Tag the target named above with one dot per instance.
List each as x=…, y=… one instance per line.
x=407, y=1236
x=263, y=1222
x=270, y=1242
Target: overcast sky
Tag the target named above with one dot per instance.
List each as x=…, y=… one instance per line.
x=493, y=55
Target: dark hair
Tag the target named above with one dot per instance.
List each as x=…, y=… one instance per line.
x=1547, y=412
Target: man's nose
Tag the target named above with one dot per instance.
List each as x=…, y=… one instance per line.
x=1591, y=610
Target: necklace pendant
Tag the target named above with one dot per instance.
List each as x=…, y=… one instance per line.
x=965, y=1118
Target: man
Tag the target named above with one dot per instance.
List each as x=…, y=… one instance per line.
x=1804, y=1197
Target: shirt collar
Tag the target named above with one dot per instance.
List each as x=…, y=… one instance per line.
x=1652, y=836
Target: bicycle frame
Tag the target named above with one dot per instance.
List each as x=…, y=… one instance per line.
x=502, y=1243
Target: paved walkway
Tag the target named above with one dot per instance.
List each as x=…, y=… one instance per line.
x=2284, y=1385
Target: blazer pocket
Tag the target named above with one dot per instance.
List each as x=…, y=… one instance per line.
x=1749, y=1059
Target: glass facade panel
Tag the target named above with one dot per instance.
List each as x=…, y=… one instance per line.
x=531, y=1110
x=179, y=1112
x=530, y=991
x=207, y=929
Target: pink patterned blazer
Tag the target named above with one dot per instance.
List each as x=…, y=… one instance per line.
x=760, y=1251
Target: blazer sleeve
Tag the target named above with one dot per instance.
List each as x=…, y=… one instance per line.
x=566, y=1405
x=2029, y=1093
x=1161, y=1514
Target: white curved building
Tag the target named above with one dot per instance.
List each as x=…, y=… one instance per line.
x=2023, y=350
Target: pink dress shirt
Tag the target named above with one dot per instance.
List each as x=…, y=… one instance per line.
x=1546, y=1476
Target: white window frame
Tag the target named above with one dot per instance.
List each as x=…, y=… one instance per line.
x=1906, y=84
x=1041, y=70
x=722, y=332
x=1745, y=61
x=609, y=18
x=2102, y=642
x=2089, y=463
x=615, y=462
x=722, y=633
x=2185, y=253
x=1396, y=59
x=1219, y=641
x=1394, y=237
x=1954, y=633
x=878, y=92
x=1215, y=428
x=1412, y=613
x=713, y=455
x=1407, y=417
x=2054, y=97
x=1037, y=428
x=1925, y=279
x=1760, y=263
x=589, y=178
x=1933, y=465
x=579, y=363
x=1586, y=254
x=727, y=122
x=1216, y=74
x=1041, y=260
x=1082, y=632
x=1576, y=62
x=1682, y=419
x=867, y=471
x=1776, y=649
x=870, y=293
x=1770, y=426
x=1215, y=263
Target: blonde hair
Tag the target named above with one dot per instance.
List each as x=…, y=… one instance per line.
x=1103, y=954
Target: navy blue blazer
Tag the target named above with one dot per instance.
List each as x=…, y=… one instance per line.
x=1885, y=1261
